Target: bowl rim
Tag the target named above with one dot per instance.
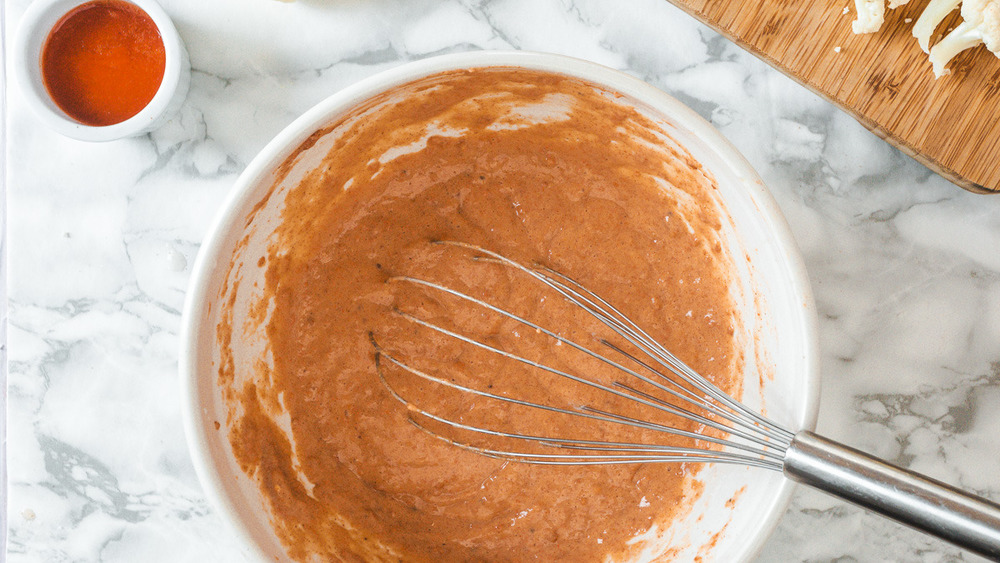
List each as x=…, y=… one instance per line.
x=301, y=128
x=32, y=33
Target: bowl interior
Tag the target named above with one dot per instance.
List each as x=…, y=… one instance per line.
x=739, y=506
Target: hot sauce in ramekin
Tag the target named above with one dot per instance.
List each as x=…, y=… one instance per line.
x=103, y=62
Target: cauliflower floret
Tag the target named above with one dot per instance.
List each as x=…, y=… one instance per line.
x=871, y=14
x=981, y=24
x=991, y=27
x=930, y=18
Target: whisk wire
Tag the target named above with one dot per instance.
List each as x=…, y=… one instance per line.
x=702, y=456
x=733, y=431
x=661, y=406
x=591, y=459
x=624, y=327
x=734, y=418
x=681, y=392
x=595, y=445
x=641, y=452
x=423, y=375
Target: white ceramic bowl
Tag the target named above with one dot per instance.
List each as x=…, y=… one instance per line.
x=33, y=30
x=779, y=309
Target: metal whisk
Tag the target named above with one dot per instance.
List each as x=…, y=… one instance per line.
x=741, y=435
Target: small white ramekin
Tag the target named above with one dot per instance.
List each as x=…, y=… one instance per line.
x=36, y=23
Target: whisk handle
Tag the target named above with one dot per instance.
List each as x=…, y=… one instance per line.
x=930, y=506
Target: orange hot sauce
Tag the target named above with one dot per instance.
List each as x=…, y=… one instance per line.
x=103, y=62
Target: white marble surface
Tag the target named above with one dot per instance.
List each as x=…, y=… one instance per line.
x=905, y=266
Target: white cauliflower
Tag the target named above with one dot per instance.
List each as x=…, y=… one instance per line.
x=930, y=18
x=980, y=24
x=871, y=14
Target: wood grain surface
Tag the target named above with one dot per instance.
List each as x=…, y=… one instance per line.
x=883, y=79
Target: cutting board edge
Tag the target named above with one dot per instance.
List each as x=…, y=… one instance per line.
x=868, y=124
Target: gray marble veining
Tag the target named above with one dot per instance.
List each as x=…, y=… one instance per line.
x=905, y=266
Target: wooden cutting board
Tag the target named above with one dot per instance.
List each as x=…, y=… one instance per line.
x=883, y=79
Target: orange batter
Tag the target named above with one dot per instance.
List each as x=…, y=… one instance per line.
x=598, y=194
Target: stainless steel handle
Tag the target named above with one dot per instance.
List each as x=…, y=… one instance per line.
x=930, y=506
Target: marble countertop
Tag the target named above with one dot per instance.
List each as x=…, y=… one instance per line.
x=101, y=237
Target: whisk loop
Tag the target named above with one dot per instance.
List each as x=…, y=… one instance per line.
x=748, y=438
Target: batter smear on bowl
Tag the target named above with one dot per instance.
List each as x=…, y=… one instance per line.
x=540, y=168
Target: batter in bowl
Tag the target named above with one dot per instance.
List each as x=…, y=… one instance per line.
x=538, y=167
